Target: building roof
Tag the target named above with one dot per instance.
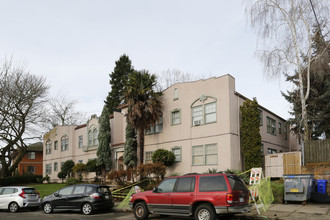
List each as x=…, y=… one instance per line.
x=80, y=126
x=35, y=147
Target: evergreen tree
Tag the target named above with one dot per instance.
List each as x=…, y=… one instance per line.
x=318, y=105
x=104, y=152
x=250, y=134
x=130, y=154
x=66, y=168
x=118, y=80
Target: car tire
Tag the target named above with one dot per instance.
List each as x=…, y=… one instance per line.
x=48, y=208
x=141, y=211
x=87, y=208
x=205, y=212
x=13, y=207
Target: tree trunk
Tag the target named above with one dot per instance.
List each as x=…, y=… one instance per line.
x=303, y=108
x=141, y=144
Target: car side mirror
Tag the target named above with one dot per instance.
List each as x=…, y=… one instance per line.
x=155, y=190
x=56, y=195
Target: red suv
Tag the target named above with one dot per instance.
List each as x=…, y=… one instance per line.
x=203, y=195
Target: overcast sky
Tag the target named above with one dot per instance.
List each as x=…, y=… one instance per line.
x=75, y=43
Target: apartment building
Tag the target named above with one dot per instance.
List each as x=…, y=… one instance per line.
x=200, y=125
x=77, y=143
x=32, y=161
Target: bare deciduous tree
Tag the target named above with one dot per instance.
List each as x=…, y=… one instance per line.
x=22, y=97
x=61, y=111
x=171, y=76
x=286, y=27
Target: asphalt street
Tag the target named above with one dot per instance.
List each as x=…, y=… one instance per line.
x=66, y=215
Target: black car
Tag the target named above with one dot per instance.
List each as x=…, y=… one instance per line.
x=84, y=197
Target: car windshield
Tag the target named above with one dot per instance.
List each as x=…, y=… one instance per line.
x=30, y=191
x=103, y=189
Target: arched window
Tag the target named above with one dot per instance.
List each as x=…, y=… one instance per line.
x=204, y=110
x=64, y=143
x=95, y=138
x=90, y=138
x=48, y=147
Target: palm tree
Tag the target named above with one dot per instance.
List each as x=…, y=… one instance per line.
x=144, y=105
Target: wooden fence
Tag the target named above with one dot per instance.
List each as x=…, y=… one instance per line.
x=317, y=152
x=282, y=163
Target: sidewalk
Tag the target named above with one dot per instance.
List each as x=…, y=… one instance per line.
x=293, y=211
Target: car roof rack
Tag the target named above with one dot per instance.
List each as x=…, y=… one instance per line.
x=191, y=174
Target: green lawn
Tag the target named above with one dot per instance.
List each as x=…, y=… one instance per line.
x=47, y=188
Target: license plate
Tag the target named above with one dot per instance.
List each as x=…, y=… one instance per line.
x=107, y=197
x=241, y=199
x=294, y=190
x=33, y=197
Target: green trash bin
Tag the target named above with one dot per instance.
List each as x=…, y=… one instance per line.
x=298, y=187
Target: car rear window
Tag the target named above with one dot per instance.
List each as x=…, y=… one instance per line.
x=236, y=183
x=186, y=184
x=103, y=189
x=30, y=191
x=212, y=184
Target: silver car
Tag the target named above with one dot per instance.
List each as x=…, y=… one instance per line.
x=13, y=198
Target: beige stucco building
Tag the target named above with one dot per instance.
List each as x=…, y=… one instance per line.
x=200, y=124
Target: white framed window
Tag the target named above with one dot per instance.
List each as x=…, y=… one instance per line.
x=48, y=147
x=80, y=161
x=261, y=121
x=176, y=117
x=48, y=169
x=80, y=141
x=271, y=126
x=271, y=151
x=31, y=169
x=204, y=114
x=55, y=145
x=64, y=143
x=280, y=128
x=148, y=157
x=31, y=155
x=55, y=166
x=176, y=94
x=205, y=155
x=210, y=110
x=90, y=138
x=177, y=153
x=286, y=133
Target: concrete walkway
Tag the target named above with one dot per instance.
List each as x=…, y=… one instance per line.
x=294, y=211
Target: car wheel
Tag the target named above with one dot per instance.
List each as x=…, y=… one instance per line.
x=87, y=208
x=13, y=207
x=205, y=212
x=48, y=208
x=141, y=211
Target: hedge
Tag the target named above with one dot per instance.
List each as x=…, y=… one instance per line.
x=17, y=180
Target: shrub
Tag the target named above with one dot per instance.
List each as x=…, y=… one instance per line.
x=278, y=191
x=46, y=178
x=164, y=156
x=119, y=176
x=17, y=180
x=72, y=181
x=67, y=167
x=245, y=177
x=157, y=170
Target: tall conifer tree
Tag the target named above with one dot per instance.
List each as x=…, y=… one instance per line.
x=250, y=134
x=130, y=154
x=104, y=152
x=118, y=79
